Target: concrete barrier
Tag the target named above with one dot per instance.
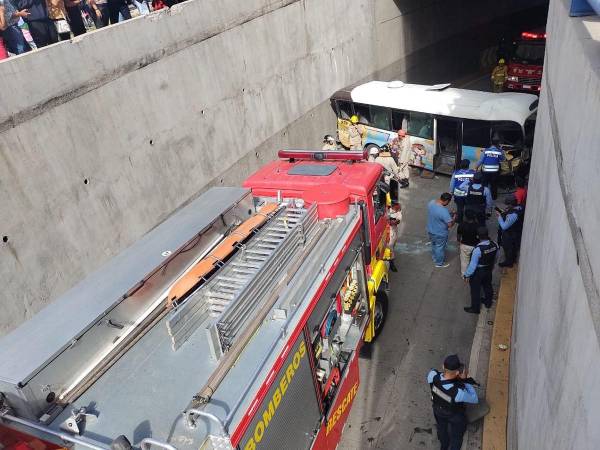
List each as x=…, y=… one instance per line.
x=102, y=137
x=556, y=352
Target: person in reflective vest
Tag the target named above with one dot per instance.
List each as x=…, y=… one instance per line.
x=449, y=394
x=499, y=75
x=479, y=271
x=478, y=198
x=489, y=162
x=511, y=225
x=460, y=178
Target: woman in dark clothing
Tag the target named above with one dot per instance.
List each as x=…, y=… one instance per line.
x=73, y=8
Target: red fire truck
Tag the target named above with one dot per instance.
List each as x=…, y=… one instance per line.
x=236, y=323
x=526, y=62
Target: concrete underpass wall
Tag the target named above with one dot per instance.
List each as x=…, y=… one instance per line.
x=103, y=137
x=555, y=395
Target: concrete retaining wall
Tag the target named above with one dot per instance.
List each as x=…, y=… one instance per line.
x=555, y=396
x=101, y=138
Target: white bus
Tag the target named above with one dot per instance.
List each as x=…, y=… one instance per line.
x=444, y=124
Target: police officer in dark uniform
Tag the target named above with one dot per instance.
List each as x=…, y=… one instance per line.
x=459, y=184
x=511, y=224
x=478, y=198
x=449, y=393
x=489, y=162
x=479, y=271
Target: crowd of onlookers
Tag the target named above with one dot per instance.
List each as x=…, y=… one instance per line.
x=30, y=24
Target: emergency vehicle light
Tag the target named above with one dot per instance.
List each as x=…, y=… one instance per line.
x=322, y=155
x=529, y=35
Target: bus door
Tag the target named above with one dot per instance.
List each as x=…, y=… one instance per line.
x=447, y=144
x=421, y=132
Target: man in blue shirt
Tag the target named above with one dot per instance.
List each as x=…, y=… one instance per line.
x=439, y=222
x=478, y=198
x=450, y=390
x=511, y=225
x=459, y=178
x=479, y=271
x=490, y=161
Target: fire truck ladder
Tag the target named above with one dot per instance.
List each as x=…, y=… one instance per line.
x=239, y=289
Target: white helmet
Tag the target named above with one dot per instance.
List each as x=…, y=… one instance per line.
x=374, y=151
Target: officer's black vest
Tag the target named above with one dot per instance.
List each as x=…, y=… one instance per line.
x=444, y=397
x=516, y=227
x=488, y=254
x=475, y=196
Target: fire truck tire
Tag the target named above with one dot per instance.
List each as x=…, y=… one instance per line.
x=381, y=310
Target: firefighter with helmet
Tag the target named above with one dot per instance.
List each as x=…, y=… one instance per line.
x=391, y=169
x=451, y=389
x=329, y=143
x=355, y=133
x=400, y=149
x=499, y=75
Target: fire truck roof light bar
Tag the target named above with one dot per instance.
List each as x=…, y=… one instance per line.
x=322, y=155
x=530, y=35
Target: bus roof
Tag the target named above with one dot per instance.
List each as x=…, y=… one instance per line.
x=450, y=102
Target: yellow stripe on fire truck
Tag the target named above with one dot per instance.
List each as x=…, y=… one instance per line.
x=271, y=409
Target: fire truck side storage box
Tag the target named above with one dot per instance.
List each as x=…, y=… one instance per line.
x=48, y=354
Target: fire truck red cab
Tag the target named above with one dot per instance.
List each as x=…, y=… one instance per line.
x=526, y=62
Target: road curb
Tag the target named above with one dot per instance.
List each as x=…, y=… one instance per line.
x=494, y=426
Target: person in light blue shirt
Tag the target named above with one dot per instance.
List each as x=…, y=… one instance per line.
x=439, y=222
x=479, y=271
x=450, y=391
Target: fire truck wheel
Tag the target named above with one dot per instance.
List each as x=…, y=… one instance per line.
x=381, y=309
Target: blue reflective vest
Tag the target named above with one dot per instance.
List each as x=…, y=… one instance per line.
x=460, y=176
x=492, y=157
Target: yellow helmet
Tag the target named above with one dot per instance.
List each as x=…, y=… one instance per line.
x=501, y=61
x=354, y=119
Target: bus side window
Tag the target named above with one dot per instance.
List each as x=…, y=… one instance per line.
x=399, y=120
x=420, y=125
x=363, y=112
x=380, y=117
x=344, y=109
x=476, y=133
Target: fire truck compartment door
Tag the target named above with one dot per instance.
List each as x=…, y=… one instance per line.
x=287, y=416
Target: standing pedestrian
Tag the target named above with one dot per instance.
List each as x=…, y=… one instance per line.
x=459, y=186
x=9, y=27
x=450, y=391
x=499, y=75
x=42, y=29
x=521, y=192
x=73, y=8
x=57, y=13
x=489, y=161
x=100, y=12
x=479, y=272
x=478, y=198
x=400, y=147
x=394, y=217
x=467, y=238
x=118, y=6
x=439, y=222
x=391, y=170
x=355, y=134
x=511, y=225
